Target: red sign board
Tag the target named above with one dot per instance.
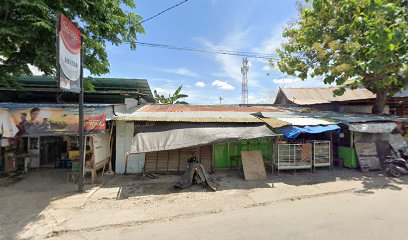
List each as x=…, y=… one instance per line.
x=95, y=123
x=69, y=51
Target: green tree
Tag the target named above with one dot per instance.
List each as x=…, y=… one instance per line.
x=351, y=43
x=172, y=99
x=27, y=33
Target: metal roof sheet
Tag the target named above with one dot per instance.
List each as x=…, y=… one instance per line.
x=335, y=116
x=303, y=121
x=275, y=123
x=203, y=116
x=310, y=96
x=207, y=108
x=101, y=85
x=354, y=118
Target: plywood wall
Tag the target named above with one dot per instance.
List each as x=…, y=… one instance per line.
x=176, y=160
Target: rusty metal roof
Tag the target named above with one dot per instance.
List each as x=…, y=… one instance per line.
x=310, y=96
x=275, y=123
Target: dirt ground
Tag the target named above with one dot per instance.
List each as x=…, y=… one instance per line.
x=40, y=204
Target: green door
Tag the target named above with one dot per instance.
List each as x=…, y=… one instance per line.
x=221, y=155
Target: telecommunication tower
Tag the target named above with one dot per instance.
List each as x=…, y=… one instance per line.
x=244, y=71
x=220, y=98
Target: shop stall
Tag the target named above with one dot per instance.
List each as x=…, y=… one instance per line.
x=167, y=145
x=48, y=137
x=307, y=147
x=366, y=144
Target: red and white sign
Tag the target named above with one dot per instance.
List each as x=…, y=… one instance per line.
x=69, y=49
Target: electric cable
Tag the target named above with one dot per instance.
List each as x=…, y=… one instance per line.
x=214, y=51
x=160, y=13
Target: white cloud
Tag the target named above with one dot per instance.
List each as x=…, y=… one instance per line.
x=286, y=80
x=274, y=41
x=235, y=41
x=182, y=71
x=222, y=85
x=263, y=100
x=160, y=90
x=267, y=68
x=200, y=84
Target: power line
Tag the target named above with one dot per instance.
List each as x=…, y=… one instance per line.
x=213, y=51
x=160, y=13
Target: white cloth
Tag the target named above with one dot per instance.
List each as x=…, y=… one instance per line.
x=4, y=142
x=7, y=127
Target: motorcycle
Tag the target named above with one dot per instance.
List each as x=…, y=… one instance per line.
x=397, y=165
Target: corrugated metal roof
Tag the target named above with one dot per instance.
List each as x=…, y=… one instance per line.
x=309, y=96
x=275, y=123
x=201, y=116
x=101, y=85
x=208, y=108
x=354, y=118
x=303, y=121
x=335, y=116
x=296, y=119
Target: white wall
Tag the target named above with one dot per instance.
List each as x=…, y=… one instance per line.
x=124, y=136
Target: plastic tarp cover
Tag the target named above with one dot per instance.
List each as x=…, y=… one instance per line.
x=152, y=137
x=385, y=127
x=293, y=131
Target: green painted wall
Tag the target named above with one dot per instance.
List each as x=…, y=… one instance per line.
x=230, y=156
x=349, y=157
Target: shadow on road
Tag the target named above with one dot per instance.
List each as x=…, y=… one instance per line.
x=370, y=180
x=24, y=197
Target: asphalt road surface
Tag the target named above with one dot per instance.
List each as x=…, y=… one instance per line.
x=376, y=214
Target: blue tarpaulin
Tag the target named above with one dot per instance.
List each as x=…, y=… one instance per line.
x=293, y=132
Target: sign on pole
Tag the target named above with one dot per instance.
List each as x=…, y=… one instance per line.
x=70, y=76
x=69, y=55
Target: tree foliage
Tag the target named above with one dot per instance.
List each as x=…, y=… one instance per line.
x=351, y=43
x=27, y=33
x=172, y=99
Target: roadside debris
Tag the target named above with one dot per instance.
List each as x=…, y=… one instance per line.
x=195, y=173
x=149, y=175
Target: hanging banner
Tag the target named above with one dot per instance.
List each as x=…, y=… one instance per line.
x=69, y=55
x=53, y=121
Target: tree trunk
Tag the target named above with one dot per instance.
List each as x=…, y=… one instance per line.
x=380, y=102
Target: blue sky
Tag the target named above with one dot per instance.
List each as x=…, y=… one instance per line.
x=237, y=25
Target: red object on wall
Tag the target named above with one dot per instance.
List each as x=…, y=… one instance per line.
x=95, y=123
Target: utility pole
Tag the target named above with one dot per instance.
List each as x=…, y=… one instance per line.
x=244, y=71
x=220, y=98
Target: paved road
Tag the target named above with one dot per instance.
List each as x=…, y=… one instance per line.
x=379, y=214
